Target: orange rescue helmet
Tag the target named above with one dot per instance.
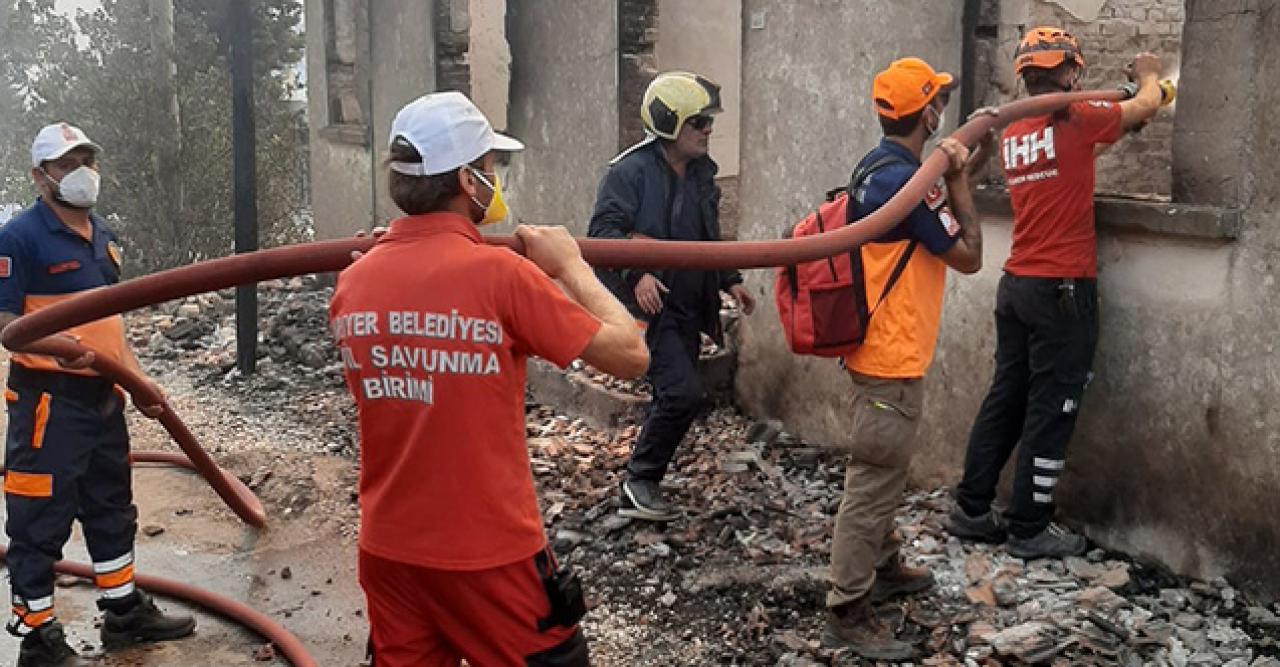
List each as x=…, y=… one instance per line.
x=1046, y=48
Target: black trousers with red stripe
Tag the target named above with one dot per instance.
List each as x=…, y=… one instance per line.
x=66, y=458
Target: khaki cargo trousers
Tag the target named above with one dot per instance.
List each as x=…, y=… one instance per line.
x=886, y=414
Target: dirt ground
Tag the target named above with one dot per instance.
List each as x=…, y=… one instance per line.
x=300, y=570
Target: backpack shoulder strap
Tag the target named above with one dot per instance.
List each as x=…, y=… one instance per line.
x=897, y=271
x=861, y=175
x=859, y=178
x=856, y=182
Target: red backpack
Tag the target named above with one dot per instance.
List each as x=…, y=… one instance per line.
x=823, y=303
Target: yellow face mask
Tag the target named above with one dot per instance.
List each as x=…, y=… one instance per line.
x=496, y=211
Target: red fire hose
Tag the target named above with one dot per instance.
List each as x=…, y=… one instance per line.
x=232, y=491
x=289, y=646
x=27, y=333
x=324, y=256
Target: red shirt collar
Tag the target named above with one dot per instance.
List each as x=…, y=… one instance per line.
x=433, y=224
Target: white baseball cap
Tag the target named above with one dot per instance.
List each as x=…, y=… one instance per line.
x=57, y=140
x=448, y=131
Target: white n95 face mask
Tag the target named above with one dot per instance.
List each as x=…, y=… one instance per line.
x=79, y=189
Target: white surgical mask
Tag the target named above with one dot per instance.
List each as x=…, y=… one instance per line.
x=937, y=122
x=79, y=189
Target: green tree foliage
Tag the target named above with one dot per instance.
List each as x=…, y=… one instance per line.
x=99, y=74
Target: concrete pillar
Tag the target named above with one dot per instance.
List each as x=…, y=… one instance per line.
x=1218, y=90
x=489, y=59
x=563, y=105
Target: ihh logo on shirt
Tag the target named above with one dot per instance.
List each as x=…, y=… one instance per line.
x=1028, y=149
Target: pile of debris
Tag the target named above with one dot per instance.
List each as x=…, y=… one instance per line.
x=638, y=388
x=298, y=370
x=293, y=330
x=744, y=573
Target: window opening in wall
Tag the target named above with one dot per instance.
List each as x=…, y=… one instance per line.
x=346, y=107
x=1110, y=34
x=453, y=44
x=1136, y=177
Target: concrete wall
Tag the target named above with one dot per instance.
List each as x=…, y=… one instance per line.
x=341, y=195
x=1183, y=457
x=490, y=59
x=706, y=38
x=1211, y=166
x=403, y=66
x=1177, y=453
x=1208, y=436
x=563, y=105
x=396, y=63
x=637, y=64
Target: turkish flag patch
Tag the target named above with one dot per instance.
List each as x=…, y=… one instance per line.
x=6, y=266
x=935, y=197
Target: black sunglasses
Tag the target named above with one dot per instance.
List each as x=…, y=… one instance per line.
x=701, y=121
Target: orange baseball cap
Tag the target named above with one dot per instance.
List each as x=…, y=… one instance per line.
x=906, y=87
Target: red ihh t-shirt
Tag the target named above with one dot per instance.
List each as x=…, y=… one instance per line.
x=1049, y=169
x=434, y=328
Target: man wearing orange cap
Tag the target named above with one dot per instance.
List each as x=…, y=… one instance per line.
x=905, y=272
x=1047, y=303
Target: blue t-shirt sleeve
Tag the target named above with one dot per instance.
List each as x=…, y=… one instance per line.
x=930, y=222
x=14, y=270
x=935, y=228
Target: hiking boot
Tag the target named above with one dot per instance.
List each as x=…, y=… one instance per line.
x=47, y=646
x=982, y=528
x=144, y=622
x=855, y=626
x=642, y=499
x=898, y=578
x=1052, y=542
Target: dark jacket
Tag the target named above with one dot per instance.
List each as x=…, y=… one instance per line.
x=641, y=194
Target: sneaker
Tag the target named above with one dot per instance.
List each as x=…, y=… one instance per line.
x=642, y=499
x=1052, y=542
x=144, y=622
x=898, y=578
x=855, y=626
x=47, y=646
x=982, y=528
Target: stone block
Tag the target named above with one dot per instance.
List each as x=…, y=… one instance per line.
x=600, y=407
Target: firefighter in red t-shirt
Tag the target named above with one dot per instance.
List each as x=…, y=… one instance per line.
x=434, y=327
x=1047, y=303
